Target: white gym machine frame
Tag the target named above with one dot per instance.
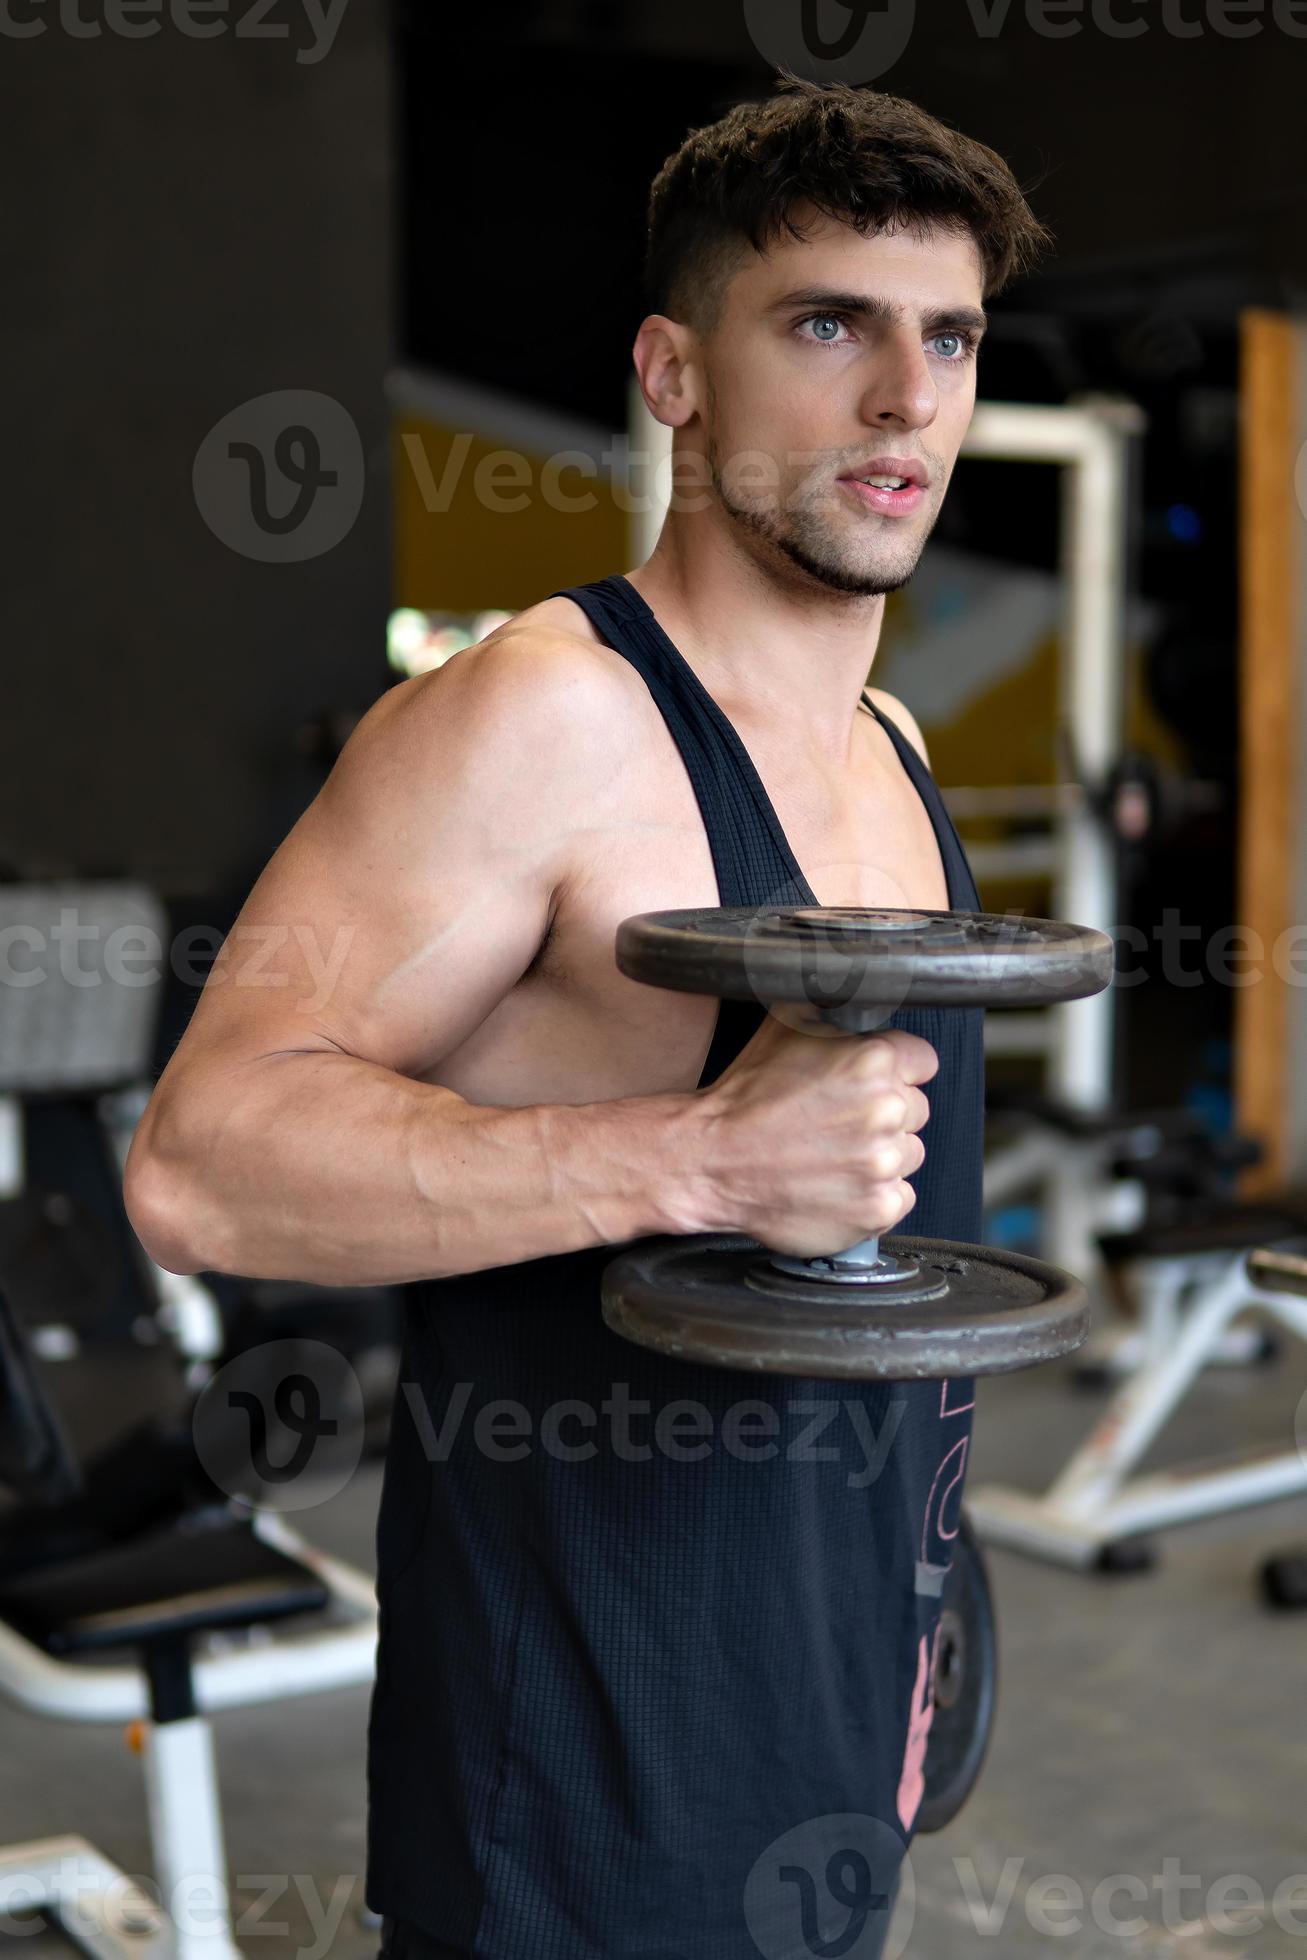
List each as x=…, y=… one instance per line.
x=106, y=1913
x=1089, y=441
x=1188, y=1307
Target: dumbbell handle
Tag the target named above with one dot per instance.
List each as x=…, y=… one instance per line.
x=860, y=1263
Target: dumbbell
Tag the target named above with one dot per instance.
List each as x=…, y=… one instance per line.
x=931, y=1308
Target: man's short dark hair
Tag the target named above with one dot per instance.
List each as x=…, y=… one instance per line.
x=871, y=161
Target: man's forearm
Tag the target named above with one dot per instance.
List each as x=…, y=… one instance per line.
x=324, y=1168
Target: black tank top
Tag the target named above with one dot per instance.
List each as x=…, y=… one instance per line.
x=642, y=1622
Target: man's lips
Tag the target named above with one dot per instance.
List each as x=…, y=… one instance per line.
x=889, y=503
x=880, y=497
x=901, y=466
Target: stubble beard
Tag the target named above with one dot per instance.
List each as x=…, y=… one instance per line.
x=819, y=548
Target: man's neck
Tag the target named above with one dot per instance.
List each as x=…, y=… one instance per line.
x=769, y=650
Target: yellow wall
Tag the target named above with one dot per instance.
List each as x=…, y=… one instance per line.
x=469, y=553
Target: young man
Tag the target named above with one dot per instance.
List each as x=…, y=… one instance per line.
x=653, y=1675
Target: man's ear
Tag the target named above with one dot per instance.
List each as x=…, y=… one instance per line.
x=662, y=357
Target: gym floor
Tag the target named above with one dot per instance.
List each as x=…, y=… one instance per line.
x=1131, y=1730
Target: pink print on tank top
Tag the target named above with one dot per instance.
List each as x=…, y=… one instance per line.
x=938, y=1529
x=936, y=1555
x=912, y=1782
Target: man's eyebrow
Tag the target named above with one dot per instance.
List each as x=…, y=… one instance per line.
x=822, y=299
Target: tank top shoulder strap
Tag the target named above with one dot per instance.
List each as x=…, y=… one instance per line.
x=963, y=896
x=750, y=851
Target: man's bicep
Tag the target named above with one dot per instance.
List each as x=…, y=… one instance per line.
x=403, y=906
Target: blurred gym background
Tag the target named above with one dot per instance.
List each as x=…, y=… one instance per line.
x=381, y=248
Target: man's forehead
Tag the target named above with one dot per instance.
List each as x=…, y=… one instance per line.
x=938, y=261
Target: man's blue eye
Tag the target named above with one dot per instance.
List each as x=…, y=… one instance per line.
x=826, y=320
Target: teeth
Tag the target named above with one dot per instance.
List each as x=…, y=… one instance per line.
x=885, y=482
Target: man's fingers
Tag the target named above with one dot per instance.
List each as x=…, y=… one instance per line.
x=895, y=1055
x=898, y=1109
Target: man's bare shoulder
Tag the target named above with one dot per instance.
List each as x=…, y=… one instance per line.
x=532, y=700
x=557, y=666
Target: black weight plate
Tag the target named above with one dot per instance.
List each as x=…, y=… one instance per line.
x=831, y=956
x=694, y=1298
x=965, y=1686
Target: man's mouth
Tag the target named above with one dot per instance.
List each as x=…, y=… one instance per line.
x=891, y=496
